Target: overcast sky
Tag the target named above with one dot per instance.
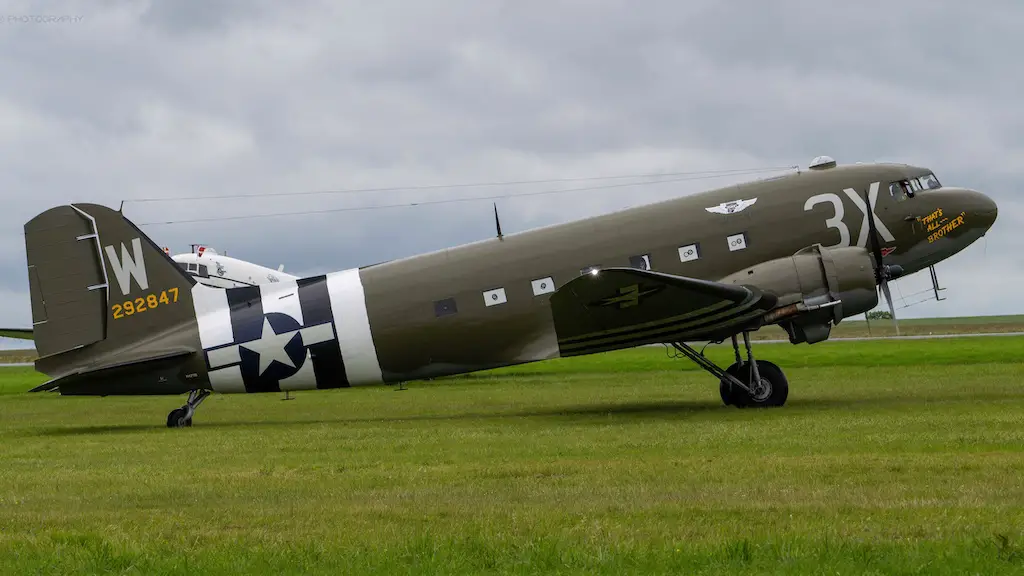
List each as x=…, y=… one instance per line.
x=131, y=100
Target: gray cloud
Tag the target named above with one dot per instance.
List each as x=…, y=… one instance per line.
x=161, y=99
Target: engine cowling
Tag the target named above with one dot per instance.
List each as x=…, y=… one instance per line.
x=816, y=287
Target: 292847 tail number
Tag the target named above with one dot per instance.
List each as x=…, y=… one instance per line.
x=144, y=303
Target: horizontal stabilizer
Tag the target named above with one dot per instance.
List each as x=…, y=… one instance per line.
x=159, y=373
x=19, y=333
x=625, y=307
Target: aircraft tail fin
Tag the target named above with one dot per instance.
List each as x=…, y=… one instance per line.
x=99, y=286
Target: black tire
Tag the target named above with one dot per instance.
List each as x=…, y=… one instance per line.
x=726, y=389
x=174, y=418
x=773, y=379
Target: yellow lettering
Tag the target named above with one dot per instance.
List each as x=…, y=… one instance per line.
x=949, y=227
x=143, y=303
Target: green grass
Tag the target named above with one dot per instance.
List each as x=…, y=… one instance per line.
x=890, y=457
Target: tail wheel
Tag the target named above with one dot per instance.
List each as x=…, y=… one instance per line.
x=176, y=419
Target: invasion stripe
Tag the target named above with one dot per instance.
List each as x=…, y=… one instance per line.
x=597, y=338
x=661, y=322
x=348, y=303
x=246, y=313
x=328, y=365
x=735, y=318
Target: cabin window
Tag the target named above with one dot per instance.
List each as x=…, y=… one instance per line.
x=495, y=297
x=642, y=262
x=543, y=285
x=183, y=266
x=689, y=252
x=737, y=242
x=204, y=272
x=193, y=268
x=445, y=307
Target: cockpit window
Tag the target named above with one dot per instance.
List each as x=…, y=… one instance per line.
x=930, y=182
x=903, y=189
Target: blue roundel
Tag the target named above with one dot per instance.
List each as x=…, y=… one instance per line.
x=276, y=371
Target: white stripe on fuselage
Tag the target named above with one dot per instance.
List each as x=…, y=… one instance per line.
x=214, y=319
x=282, y=297
x=213, y=315
x=352, y=323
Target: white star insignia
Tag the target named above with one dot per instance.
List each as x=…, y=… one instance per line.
x=270, y=347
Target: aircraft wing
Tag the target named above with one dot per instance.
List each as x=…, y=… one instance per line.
x=626, y=307
x=19, y=333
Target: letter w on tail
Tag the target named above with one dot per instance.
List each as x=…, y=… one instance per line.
x=128, y=267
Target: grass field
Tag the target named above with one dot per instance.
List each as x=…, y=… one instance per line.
x=890, y=457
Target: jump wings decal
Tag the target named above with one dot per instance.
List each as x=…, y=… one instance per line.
x=731, y=207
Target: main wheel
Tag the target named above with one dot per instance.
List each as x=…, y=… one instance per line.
x=176, y=419
x=727, y=389
x=770, y=392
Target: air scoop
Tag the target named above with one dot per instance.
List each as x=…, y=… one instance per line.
x=892, y=271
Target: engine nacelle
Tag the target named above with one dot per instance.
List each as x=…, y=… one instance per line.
x=816, y=287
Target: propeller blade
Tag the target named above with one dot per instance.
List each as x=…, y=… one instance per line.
x=876, y=247
x=892, y=310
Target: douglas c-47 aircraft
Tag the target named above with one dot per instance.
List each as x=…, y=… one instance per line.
x=221, y=271
x=114, y=314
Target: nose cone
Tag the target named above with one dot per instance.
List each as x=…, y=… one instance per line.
x=982, y=208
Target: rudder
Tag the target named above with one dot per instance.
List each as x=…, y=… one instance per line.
x=94, y=276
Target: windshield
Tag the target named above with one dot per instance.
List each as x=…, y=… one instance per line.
x=907, y=188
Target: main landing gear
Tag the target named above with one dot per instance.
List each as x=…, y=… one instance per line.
x=182, y=417
x=750, y=383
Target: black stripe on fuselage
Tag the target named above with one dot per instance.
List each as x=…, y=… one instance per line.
x=246, y=307
x=246, y=313
x=315, y=301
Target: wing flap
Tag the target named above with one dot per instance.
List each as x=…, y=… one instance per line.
x=626, y=307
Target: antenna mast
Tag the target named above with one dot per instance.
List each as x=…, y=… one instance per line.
x=497, y=223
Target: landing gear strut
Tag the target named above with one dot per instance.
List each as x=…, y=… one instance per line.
x=182, y=417
x=750, y=383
